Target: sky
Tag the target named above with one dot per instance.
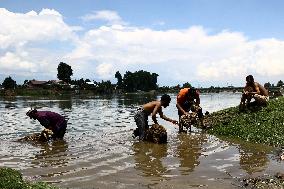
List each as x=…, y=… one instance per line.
x=203, y=42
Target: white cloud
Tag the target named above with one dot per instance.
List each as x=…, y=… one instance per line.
x=30, y=43
x=36, y=42
x=19, y=29
x=105, y=71
x=13, y=62
x=185, y=55
x=111, y=17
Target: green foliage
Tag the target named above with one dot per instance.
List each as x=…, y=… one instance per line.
x=280, y=83
x=186, y=85
x=9, y=83
x=260, y=126
x=267, y=85
x=12, y=179
x=64, y=72
x=119, y=79
x=139, y=80
x=104, y=87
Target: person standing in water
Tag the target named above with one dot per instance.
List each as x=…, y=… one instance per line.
x=188, y=100
x=154, y=108
x=50, y=120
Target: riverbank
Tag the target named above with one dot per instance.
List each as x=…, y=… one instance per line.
x=265, y=125
x=12, y=179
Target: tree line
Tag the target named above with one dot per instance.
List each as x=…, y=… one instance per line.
x=130, y=82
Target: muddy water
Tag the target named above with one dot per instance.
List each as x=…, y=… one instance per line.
x=98, y=150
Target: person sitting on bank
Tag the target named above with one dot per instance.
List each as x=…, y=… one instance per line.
x=154, y=107
x=51, y=121
x=253, y=90
x=188, y=100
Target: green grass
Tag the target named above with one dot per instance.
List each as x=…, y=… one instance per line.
x=264, y=126
x=12, y=179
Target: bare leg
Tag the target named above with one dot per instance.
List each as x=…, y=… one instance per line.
x=260, y=99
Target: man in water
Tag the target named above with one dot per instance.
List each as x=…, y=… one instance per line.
x=188, y=100
x=154, y=107
x=51, y=121
x=253, y=90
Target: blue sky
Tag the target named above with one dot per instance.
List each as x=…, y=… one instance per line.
x=204, y=42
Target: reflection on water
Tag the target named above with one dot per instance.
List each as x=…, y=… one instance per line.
x=51, y=154
x=149, y=158
x=65, y=104
x=98, y=150
x=253, y=159
x=189, y=150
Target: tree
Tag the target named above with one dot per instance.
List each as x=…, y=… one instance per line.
x=186, y=85
x=267, y=85
x=9, y=83
x=139, y=80
x=64, y=72
x=280, y=83
x=119, y=79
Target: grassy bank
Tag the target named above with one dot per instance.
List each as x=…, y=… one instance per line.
x=12, y=179
x=265, y=125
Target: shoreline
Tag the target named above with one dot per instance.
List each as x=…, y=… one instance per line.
x=265, y=125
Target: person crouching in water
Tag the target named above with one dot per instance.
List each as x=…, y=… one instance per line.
x=188, y=100
x=50, y=120
x=154, y=107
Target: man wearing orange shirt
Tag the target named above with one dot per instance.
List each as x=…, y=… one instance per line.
x=188, y=100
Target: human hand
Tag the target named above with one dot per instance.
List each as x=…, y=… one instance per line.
x=48, y=131
x=174, y=122
x=186, y=113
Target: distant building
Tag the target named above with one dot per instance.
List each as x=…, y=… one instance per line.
x=40, y=84
x=57, y=82
x=36, y=84
x=91, y=83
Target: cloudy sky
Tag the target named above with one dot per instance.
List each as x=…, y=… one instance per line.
x=203, y=42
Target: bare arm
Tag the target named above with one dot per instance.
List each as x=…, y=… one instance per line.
x=166, y=118
x=180, y=108
x=197, y=101
x=158, y=109
x=154, y=113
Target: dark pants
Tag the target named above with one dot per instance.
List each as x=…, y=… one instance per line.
x=61, y=129
x=141, y=119
x=189, y=106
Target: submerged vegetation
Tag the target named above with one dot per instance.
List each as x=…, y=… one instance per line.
x=264, y=125
x=12, y=179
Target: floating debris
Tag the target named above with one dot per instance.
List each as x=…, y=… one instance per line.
x=282, y=156
x=157, y=134
x=187, y=120
x=264, y=181
x=44, y=136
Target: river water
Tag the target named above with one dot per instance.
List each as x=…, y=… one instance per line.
x=98, y=150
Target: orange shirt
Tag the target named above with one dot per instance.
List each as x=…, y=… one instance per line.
x=183, y=97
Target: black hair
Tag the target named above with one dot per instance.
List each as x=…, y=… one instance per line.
x=31, y=112
x=191, y=91
x=166, y=98
x=250, y=78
